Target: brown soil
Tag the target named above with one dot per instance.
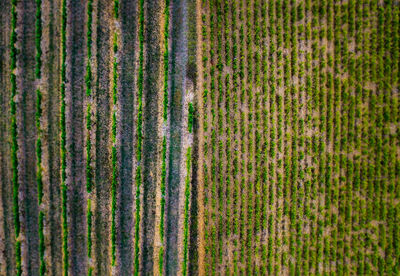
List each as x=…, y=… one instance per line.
x=49, y=86
x=127, y=131
x=102, y=177
x=26, y=110
x=75, y=129
x=6, y=217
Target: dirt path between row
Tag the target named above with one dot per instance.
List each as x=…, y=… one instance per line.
x=175, y=179
x=127, y=131
x=7, y=256
x=26, y=136
x=76, y=183
x=152, y=119
x=102, y=177
x=50, y=120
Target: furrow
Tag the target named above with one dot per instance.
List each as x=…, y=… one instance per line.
x=49, y=85
x=152, y=136
x=7, y=227
x=177, y=126
x=128, y=105
x=103, y=164
x=75, y=180
x=26, y=137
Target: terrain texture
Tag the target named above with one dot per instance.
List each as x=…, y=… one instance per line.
x=199, y=137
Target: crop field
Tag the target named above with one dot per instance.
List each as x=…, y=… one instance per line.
x=199, y=137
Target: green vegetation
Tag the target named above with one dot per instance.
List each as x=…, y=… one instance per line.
x=63, y=137
x=164, y=144
x=113, y=139
x=14, y=133
x=186, y=214
x=292, y=166
x=190, y=117
x=89, y=101
x=39, y=181
x=314, y=86
x=139, y=127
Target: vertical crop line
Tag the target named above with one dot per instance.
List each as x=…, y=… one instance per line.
x=14, y=143
x=186, y=218
x=187, y=193
x=89, y=170
x=213, y=189
x=206, y=24
x=138, y=179
x=235, y=169
x=164, y=145
x=113, y=139
x=39, y=181
x=63, y=138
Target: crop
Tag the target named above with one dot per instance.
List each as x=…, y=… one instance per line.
x=164, y=143
x=269, y=128
x=89, y=103
x=138, y=178
x=14, y=133
x=39, y=180
x=63, y=138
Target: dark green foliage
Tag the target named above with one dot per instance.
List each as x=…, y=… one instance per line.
x=138, y=179
x=42, y=268
x=186, y=214
x=14, y=133
x=190, y=117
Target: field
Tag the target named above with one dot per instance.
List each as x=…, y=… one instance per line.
x=199, y=137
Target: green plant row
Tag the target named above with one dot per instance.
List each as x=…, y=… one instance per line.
x=280, y=257
x=271, y=254
x=38, y=115
x=138, y=178
x=63, y=149
x=235, y=162
x=266, y=190
x=89, y=169
x=293, y=121
x=241, y=119
x=14, y=134
x=258, y=106
x=205, y=74
x=249, y=87
x=164, y=144
x=226, y=128
x=186, y=214
x=218, y=129
x=113, y=139
x=213, y=235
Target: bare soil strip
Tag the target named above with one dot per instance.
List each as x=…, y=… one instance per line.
x=127, y=128
x=152, y=138
x=26, y=109
x=102, y=178
x=50, y=44
x=75, y=129
x=7, y=257
x=175, y=183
